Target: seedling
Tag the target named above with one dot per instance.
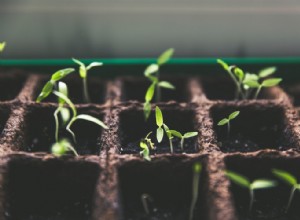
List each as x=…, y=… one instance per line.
x=152, y=73
x=195, y=187
x=183, y=136
x=146, y=200
x=2, y=46
x=170, y=137
x=225, y=121
x=83, y=72
x=146, y=144
x=62, y=147
x=246, y=82
x=159, y=123
x=251, y=186
x=289, y=179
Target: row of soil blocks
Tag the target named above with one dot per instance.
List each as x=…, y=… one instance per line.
x=109, y=178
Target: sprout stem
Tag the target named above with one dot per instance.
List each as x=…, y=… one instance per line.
x=195, y=188
x=85, y=91
x=228, y=129
x=290, y=198
x=251, y=200
x=171, y=145
x=56, y=123
x=73, y=150
x=257, y=92
x=181, y=143
x=158, y=89
x=145, y=201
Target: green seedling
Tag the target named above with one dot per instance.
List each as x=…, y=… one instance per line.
x=245, y=83
x=49, y=86
x=170, y=137
x=2, y=46
x=195, y=187
x=244, y=182
x=289, y=179
x=225, y=121
x=183, y=136
x=152, y=73
x=146, y=200
x=83, y=72
x=159, y=123
x=146, y=144
x=62, y=147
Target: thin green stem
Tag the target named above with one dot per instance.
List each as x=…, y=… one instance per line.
x=195, y=188
x=146, y=199
x=86, y=95
x=257, y=92
x=228, y=129
x=171, y=145
x=73, y=150
x=237, y=84
x=158, y=89
x=290, y=198
x=251, y=200
x=181, y=143
x=68, y=128
x=56, y=123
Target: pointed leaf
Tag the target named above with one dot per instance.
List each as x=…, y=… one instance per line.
x=78, y=62
x=147, y=110
x=150, y=92
x=159, y=117
x=285, y=176
x=65, y=115
x=175, y=133
x=251, y=83
x=60, y=74
x=143, y=145
x=153, y=68
x=93, y=64
x=271, y=82
x=91, y=119
x=2, y=46
x=165, y=56
x=239, y=73
x=250, y=76
x=267, y=72
x=223, y=64
x=224, y=121
x=238, y=179
x=166, y=85
x=190, y=134
x=47, y=89
x=62, y=88
x=233, y=115
x=262, y=184
x=159, y=134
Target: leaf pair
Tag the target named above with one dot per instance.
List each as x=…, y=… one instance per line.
x=84, y=69
x=183, y=136
x=232, y=116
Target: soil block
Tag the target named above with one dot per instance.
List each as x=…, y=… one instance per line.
x=134, y=89
x=269, y=203
x=96, y=87
x=39, y=130
x=4, y=114
x=11, y=85
x=47, y=190
x=168, y=183
x=133, y=128
x=257, y=127
x=294, y=91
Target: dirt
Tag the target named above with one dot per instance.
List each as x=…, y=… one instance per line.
x=11, y=84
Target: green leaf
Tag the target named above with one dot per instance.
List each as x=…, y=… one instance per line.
x=267, y=72
x=67, y=100
x=239, y=73
x=165, y=56
x=197, y=167
x=82, y=72
x=223, y=64
x=271, y=82
x=143, y=145
x=159, y=134
x=238, y=179
x=250, y=76
x=62, y=88
x=166, y=85
x=150, y=92
x=91, y=119
x=262, y=184
x=190, y=134
x=58, y=149
x=224, y=121
x=285, y=176
x=233, y=115
x=93, y=64
x=65, y=115
x=60, y=74
x=145, y=152
x=47, y=89
x=2, y=46
x=175, y=133
x=153, y=68
x=159, y=117
x=78, y=62
x=147, y=110
x=251, y=83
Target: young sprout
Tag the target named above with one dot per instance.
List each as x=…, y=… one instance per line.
x=183, y=136
x=83, y=72
x=146, y=200
x=170, y=137
x=225, y=121
x=290, y=180
x=146, y=144
x=2, y=46
x=152, y=73
x=159, y=123
x=195, y=187
x=246, y=82
x=62, y=147
x=251, y=186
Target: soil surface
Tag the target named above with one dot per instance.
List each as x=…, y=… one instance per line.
x=11, y=85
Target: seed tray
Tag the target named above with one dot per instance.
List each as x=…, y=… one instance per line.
x=108, y=178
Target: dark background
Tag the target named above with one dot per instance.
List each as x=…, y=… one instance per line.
x=144, y=28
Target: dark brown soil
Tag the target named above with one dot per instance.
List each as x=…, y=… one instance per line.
x=133, y=128
x=40, y=133
x=54, y=189
x=11, y=85
x=4, y=114
x=294, y=91
x=256, y=128
x=135, y=90
x=168, y=183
